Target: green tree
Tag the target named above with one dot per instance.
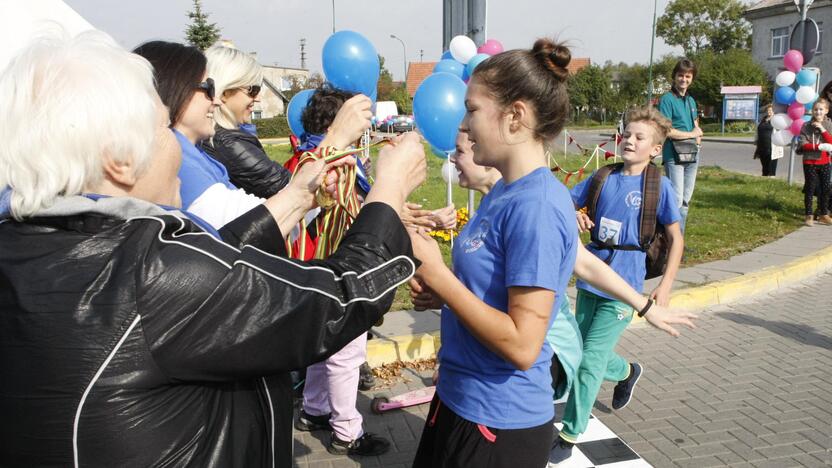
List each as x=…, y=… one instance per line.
x=298, y=84
x=200, y=33
x=388, y=90
x=735, y=67
x=590, y=90
x=696, y=25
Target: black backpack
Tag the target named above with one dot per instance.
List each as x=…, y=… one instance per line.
x=652, y=236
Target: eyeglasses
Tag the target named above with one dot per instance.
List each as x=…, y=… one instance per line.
x=252, y=91
x=208, y=87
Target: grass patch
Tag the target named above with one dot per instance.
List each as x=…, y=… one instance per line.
x=731, y=213
x=730, y=134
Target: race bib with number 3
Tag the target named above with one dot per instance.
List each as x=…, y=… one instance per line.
x=609, y=231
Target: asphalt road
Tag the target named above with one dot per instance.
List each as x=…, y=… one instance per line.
x=737, y=157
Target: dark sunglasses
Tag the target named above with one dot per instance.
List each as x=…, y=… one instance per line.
x=208, y=87
x=252, y=91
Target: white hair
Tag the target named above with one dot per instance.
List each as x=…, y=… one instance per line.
x=67, y=102
x=231, y=68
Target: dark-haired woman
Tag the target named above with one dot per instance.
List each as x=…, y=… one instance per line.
x=512, y=263
x=763, y=143
x=191, y=98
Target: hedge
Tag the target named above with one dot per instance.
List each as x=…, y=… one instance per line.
x=275, y=127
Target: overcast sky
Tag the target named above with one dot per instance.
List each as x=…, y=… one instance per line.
x=617, y=30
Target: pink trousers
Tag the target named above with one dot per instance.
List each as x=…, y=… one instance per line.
x=332, y=387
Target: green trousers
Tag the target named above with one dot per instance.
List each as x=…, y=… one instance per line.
x=601, y=322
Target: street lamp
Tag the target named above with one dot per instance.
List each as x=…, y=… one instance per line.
x=650, y=70
x=404, y=47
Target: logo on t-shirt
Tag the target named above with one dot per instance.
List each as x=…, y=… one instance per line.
x=477, y=239
x=633, y=199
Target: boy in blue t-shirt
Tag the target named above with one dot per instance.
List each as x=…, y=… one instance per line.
x=602, y=319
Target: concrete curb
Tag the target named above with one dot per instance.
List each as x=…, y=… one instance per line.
x=382, y=350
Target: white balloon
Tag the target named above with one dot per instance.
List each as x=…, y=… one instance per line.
x=785, y=78
x=449, y=172
x=805, y=94
x=781, y=121
x=462, y=49
x=781, y=137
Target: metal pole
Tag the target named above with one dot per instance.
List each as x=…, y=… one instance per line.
x=333, y=16
x=791, y=164
x=650, y=69
x=804, y=11
x=404, y=47
x=471, y=208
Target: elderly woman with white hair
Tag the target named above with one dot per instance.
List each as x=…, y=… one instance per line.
x=131, y=334
x=238, y=79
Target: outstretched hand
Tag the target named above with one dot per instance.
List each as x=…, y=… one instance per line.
x=663, y=318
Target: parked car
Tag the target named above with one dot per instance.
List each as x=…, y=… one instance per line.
x=396, y=124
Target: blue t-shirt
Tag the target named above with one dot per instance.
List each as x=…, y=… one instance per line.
x=617, y=222
x=198, y=172
x=523, y=234
x=682, y=113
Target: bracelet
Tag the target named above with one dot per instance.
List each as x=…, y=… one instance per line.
x=646, y=307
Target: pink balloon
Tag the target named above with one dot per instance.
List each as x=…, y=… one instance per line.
x=796, y=110
x=797, y=125
x=494, y=47
x=793, y=60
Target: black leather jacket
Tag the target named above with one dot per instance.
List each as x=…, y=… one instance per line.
x=249, y=168
x=130, y=337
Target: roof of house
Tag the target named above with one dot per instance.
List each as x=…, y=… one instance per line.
x=764, y=8
x=741, y=90
x=577, y=63
x=768, y=3
x=418, y=71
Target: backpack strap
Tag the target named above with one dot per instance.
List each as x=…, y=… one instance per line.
x=595, y=186
x=650, y=189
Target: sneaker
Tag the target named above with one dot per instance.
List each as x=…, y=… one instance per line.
x=308, y=423
x=561, y=450
x=623, y=391
x=367, y=445
x=825, y=219
x=366, y=379
x=809, y=221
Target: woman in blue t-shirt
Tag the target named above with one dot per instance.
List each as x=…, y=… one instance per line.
x=512, y=263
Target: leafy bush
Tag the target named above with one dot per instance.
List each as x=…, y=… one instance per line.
x=275, y=127
x=740, y=126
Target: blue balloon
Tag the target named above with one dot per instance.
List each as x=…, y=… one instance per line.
x=449, y=66
x=806, y=117
x=295, y=110
x=475, y=60
x=438, y=152
x=806, y=77
x=350, y=63
x=784, y=95
x=438, y=107
x=446, y=55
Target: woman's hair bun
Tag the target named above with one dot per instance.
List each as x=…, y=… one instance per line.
x=554, y=56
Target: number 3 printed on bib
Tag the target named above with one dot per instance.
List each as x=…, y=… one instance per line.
x=609, y=232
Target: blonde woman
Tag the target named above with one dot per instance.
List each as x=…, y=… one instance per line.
x=238, y=79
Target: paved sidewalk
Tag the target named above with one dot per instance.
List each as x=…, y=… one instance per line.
x=749, y=387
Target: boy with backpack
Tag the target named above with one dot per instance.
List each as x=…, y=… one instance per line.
x=631, y=210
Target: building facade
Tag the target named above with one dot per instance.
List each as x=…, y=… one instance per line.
x=772, y=22
x=276, y=80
